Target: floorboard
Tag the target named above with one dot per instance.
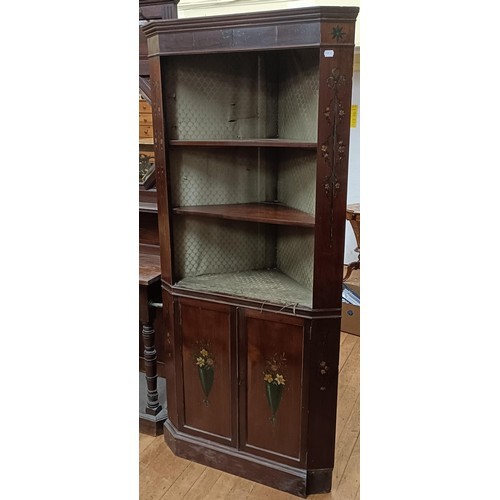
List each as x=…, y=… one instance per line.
x=204, y=483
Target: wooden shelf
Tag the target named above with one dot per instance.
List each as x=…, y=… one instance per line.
x=146, y=141
x=267, y=213
x=264, y=143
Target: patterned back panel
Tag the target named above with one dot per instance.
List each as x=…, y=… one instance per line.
x=298, y=94
x=211, y=246
x=297, y=180
x=243, y=96
x=295, y=250
x=216, y=176
x=214, y=97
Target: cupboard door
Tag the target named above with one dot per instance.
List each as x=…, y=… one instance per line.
x=272, y=355
x=208, y=370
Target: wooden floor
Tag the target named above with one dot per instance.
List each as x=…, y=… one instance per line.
x=164, y=476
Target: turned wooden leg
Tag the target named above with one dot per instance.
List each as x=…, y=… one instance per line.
x=153, y=406
x=352, y=266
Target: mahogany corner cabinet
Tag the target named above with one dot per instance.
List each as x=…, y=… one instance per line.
x=251, y=118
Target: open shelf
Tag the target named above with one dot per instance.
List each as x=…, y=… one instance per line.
x=268, y=286
x=264, y=143
x=244, y=96
x=267, y=213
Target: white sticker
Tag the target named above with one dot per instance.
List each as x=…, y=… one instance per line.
x=329, y=53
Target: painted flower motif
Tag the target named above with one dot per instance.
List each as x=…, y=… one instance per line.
x=274, y=382
x=324, y=151
x=205, y=363
x=203, y=358
x=326, y=113
x=338, y=33
x=335, y=79
x=273, y=373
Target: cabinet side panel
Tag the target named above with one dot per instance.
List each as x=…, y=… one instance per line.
x=160, y=140
x=323, y=389
x=274, y=368
x=206, y=360
x=170, y=347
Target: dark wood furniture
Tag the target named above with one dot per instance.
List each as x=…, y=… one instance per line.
x=152, y=412
x=152, y=416
x=251, y=132
x=149, y=245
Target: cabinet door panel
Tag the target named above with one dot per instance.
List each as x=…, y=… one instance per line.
x=207, y=368
x=272, y=396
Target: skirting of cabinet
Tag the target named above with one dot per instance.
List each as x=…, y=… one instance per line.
x=299, y=482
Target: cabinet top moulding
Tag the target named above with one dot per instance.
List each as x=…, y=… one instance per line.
x=279, y=29
x=264, y=143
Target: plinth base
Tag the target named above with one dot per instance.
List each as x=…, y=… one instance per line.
x=299, y=482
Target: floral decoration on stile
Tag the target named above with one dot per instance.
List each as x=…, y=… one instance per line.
x=274, y=379
x=323, y=369
x=205, y=362
x=333, y=149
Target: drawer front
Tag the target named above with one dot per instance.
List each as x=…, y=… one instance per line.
x=144, y=107
x=145, y=131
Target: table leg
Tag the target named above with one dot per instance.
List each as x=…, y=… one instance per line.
x=352, y=266
x=153, y=406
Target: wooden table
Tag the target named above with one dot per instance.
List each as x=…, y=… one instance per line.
x=152, y=416
x=353, y=215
